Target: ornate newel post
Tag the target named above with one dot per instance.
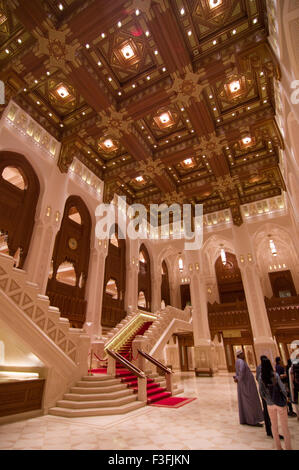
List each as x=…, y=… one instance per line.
x=264, y=343
x=204, y=350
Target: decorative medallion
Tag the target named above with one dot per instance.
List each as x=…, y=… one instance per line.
x=73, y=244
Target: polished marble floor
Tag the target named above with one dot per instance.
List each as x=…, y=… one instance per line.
x=208, y=423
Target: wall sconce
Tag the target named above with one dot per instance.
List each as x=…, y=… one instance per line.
x=209, y=290
x=48, y=211
x=197, y=266
x=57, y=216
x=190, y=267
x=249, y=256
x=242, y=259
x=272, y=246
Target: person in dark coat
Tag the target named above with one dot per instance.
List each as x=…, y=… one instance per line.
x=284, y=377
x=250, y=410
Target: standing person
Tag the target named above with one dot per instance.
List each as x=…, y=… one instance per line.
x=265, y=409
x=284, y=377
x=250, y=410
x=274, y=393
x=294, y=383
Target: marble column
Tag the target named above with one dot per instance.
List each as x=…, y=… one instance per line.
x=39, y=257
x=95, y=288
x=204, y=350
x=263, y=340
x=156, y=290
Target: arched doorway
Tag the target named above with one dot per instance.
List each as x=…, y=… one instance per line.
x=165, y=289
x=229, y=280
x=230, y=319
x=19, y=193
x=144, y=280
x=114, y=281
x=70, y=261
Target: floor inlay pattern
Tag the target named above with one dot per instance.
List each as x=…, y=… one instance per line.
x=209, y=423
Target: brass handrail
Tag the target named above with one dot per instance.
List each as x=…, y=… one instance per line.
x=139, y=373
x=155, y=362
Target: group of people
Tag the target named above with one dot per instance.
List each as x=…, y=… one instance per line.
x=278, y=390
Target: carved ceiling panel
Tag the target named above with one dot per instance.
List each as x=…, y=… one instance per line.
x=165, y=100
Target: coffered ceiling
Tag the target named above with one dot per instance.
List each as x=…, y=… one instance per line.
x=165, y=100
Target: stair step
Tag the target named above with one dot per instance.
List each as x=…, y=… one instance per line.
x=95, y=403
x=113, y=388
x=71, y=413
x=97, y=396
x=95, y=383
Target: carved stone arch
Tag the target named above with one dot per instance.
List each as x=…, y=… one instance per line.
x=115, y=268
x=144, y=277
x=18, y=207
x=165, y=287
x=72, y=244
x=229, y=279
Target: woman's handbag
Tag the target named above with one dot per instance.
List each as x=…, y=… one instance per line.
x=277, y=396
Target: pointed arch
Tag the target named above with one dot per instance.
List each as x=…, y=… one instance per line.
x=229, y=279
x=165, y=288
x=19, y=193
x=72, y=246
x=144, y=277
x=115, y=270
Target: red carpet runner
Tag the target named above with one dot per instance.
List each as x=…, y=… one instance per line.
x=154, y=391
x=173, y=402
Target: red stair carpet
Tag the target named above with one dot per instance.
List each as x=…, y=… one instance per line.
x=173, y=402
x=154, y=391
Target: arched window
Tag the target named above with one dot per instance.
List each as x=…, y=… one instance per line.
x=165, y=289
x=14, y=177
x=229, y=278
x=66, y=274
x=3, y=243
x=19, y=192
x=144, y=277
x=113, y=310
x=111, y=289
x=74, y=215
x=66, y=286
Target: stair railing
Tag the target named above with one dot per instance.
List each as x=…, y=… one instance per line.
x=141, y=377
x=168, y=372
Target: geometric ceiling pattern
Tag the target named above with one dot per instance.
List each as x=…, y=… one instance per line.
x=164, y=100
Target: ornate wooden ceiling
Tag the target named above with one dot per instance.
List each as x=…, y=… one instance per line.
x=165, y=100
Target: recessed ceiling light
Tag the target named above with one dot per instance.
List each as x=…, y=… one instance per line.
x=215, y=109
x=62, y=92
x=50, y=114
x=156, y=52
x=189, y=33
x=61, y=125
x=20, y=41
x=7, y=51
x=119, y=24
x=25, y=89
x=192, y=130
x=187, y=120
x=235, y=86
x=148, y=77
x=99, y=63
x=214, y=42
x=103, y=35
x=182, y=109
x=108, y=143
x=38, y=102
x=233, y=114
x=60, y=6
x=234, y=31
x=110, y=79
x=83, y=114
x=88, y=151
x=139, y=179
x=211, y=97
x=137, y=12
x=265, y=101
x=133, y=86
x=119, y=93
x=48, y=73
x=246, y=140
x=255, y=20
x=35, y=81
x=164, y=69
x=182, y=12
x=87, y=46
x=147, y=33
